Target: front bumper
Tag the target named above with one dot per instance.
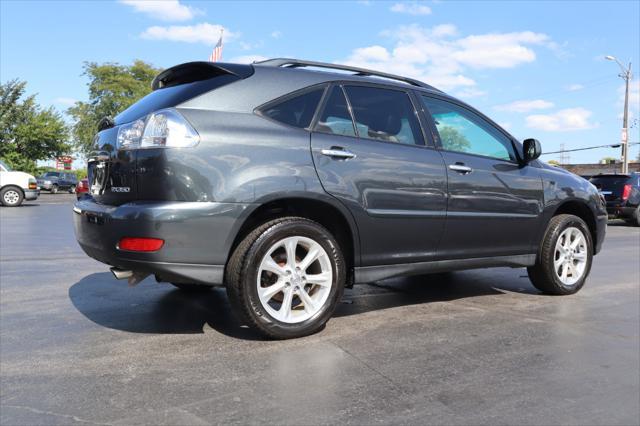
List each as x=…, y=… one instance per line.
x=601, y=231
x=31, y=194
x=197, y=236
x=43, y=185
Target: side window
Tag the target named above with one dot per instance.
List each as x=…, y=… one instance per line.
x=385, y=115
x=463, y=131
x=335, y=118
x=297, y=111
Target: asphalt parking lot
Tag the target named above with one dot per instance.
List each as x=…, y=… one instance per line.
x=474, y=347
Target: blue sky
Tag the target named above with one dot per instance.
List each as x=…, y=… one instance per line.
x=535, y=67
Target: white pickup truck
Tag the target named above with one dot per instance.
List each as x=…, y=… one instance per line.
x=15, y=187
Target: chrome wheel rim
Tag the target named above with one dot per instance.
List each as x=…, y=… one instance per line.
x=11, y=197
x=570, y=256
x=294, y=279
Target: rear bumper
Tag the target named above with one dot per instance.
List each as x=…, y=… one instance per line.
x=197, y=236
x=31, y=194
x=620, y=211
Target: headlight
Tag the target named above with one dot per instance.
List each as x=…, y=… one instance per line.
x=47, y=182
x=166, y=128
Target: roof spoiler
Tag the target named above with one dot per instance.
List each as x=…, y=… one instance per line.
x=299, y=63
x=196, y=71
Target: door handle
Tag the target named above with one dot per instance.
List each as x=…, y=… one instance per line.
x=338, y=153
x=460, y=168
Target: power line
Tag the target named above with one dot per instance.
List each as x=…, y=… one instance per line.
x=586, y=148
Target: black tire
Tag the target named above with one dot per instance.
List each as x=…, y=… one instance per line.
x=54, y=189
x=14, y=196
x=193, y=288
x=72, y=189
x=635, y=219
x=242, y=269
x=542, y=274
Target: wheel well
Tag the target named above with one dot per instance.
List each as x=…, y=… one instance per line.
x=583, y=211
x=11, y=185
x=318, y=211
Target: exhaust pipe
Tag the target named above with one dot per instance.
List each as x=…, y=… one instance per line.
x=132, y=277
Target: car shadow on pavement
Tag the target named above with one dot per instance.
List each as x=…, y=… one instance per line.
x=161, y=308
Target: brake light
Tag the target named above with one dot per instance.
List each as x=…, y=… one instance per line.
x=626, y=192
x=140, y=244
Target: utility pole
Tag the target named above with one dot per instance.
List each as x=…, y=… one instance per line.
x=626, y=76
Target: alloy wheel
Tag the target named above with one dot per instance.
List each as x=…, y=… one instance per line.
x=294, y=280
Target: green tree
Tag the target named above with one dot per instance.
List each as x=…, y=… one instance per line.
x=112, y=89
x=28, y=132
x=452, y=139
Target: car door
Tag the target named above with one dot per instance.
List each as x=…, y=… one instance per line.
x=369, y=151
x=495, y=202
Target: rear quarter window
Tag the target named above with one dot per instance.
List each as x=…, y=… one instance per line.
x=296, y=111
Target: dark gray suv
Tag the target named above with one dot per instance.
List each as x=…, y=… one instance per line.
x=287, y=181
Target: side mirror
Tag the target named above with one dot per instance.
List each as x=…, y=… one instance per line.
x=532, y=149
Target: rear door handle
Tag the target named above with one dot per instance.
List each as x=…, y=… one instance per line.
x=338, y=153
x=460, y=168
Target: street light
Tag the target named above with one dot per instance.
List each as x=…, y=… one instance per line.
x=626, y=76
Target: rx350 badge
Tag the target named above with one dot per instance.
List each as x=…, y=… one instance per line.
x=120, y=189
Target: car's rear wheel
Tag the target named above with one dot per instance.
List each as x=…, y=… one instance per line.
x=54, y=189
x=286, y=278
x=565, y=256
x=635, y=218
x=72, y=189
x=193, y=288
x=11, y=196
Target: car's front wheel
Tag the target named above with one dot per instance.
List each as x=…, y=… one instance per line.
x=11, y=196
x=54, y=189
x=564, y=260
x=286, y=278
x=72, y=189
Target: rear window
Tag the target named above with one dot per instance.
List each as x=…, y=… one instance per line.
x=297, y=111
x=610, y=183
x=171, y=96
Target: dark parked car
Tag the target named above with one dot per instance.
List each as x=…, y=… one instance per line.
x=82, y=189
x=622, y=195
x=287, y=184
x=58, y=181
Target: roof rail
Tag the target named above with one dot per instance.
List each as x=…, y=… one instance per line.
x=298, y=63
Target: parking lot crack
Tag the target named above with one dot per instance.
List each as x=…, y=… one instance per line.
x=51, y=413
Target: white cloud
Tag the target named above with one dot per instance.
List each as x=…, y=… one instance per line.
x=411, y=8
x=276, y=34
x=562, y=121
x=164, y=10
x=200, y=33
x=574, y=87
x=440, y=57
x=65, y=101
x=247, y=59
x=470, y=92
x=525, y=105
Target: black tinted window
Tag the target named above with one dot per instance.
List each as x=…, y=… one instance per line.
x=382, y=114
x=335, y=118
x=298, y=111
x=463, y=131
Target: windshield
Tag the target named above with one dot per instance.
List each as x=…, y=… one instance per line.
x=51, y=174
x=4, y=166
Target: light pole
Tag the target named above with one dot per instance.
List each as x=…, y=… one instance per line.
x=626, y=76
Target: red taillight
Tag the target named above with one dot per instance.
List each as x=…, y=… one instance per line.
x=140, y=244
x=626, y=192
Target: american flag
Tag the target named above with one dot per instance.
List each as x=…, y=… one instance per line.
x=216, y=55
